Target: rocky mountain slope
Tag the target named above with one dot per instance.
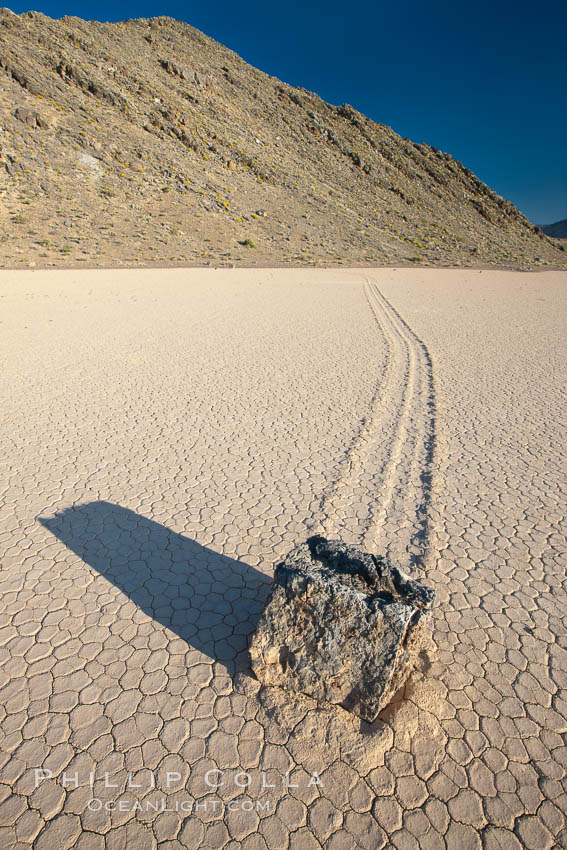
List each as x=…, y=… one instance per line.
x=147, y=142
x=558, y=229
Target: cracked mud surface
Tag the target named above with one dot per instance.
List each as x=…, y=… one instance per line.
x=168, y=438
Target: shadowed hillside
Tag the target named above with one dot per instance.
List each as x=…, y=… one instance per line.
x=558, y=229
x=146, y=141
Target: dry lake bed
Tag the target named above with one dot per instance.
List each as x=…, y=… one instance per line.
x=167, y=437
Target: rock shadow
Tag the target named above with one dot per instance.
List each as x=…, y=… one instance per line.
x=211, y=601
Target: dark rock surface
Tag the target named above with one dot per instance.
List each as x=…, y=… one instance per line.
x=340, y=625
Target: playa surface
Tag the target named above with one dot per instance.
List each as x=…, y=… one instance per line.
x=167, y=437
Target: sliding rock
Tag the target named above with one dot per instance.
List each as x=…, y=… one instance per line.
x=341, y=625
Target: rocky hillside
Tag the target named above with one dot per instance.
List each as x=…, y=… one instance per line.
x=147, y=142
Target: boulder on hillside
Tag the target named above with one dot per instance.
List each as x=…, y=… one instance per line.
x=340, y=625
x=172, y=68
x=30, y=117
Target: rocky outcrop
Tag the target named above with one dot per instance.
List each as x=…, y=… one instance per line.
x=172, y=68
x=30, y=117
x=341, y=625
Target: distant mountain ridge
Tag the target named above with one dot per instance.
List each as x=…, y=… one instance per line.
x=145, y=141
x=558, y=229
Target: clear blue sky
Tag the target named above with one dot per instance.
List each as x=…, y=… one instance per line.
x=484, y=81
